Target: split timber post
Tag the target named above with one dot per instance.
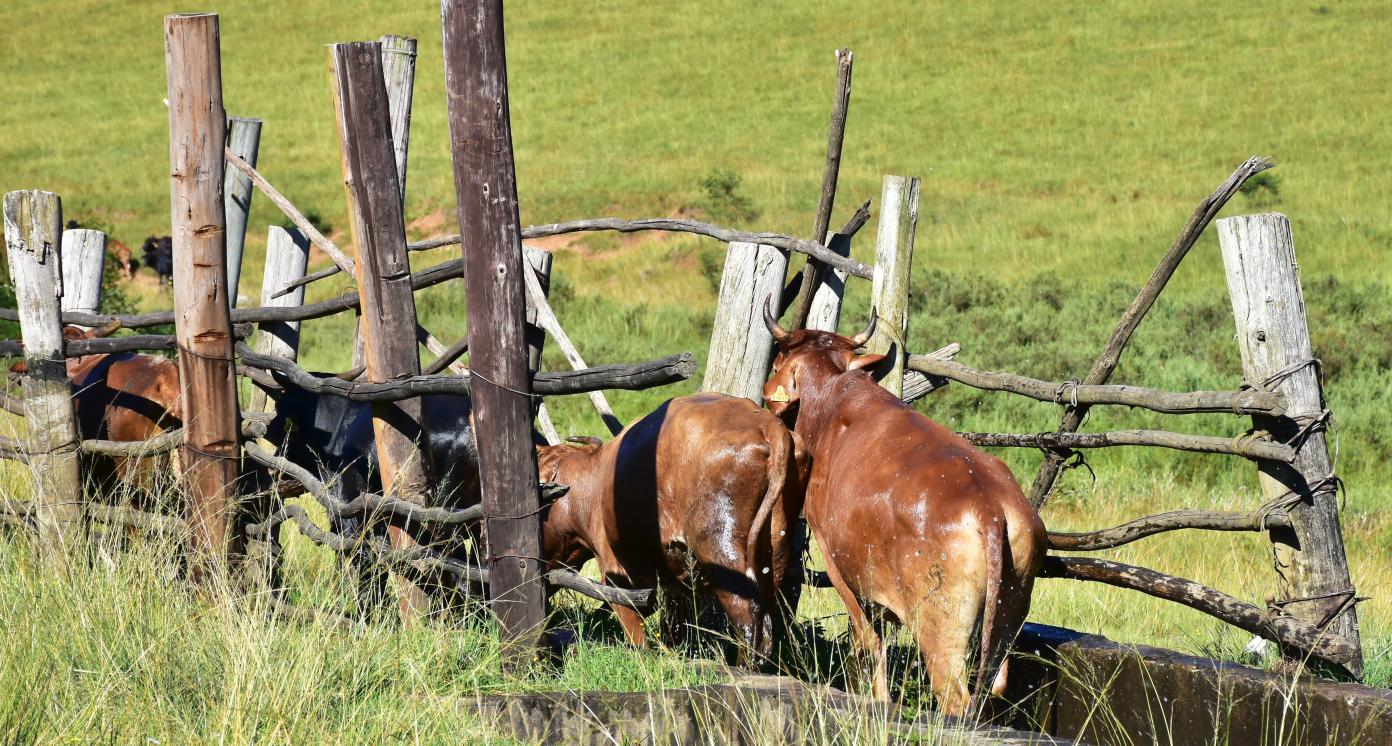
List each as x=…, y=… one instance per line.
x=287, y=257
x=1274, y=337
x=485, y=182
x=33, y=224
x=384, y=280
x=540, y=263
x=399, y=76
x=202, y=320
x=83, y=258
x=889, y=296
x=244, y=139
x=741, y=347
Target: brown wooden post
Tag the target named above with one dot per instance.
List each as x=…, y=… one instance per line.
x=1274, y=337
x=384, y=280
x=202, y=323
x=399, y=76
x=33, y=224
x=485, y=184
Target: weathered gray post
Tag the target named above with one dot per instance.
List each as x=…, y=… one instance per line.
x=741, y=347
x=1274, y=337
x=287, y=257
x=399, y=75
x=84, y=257
x=244, y=138
x=384, y=279
x=202, y=321
x=33, y=223
x=485, y=183
x=893, y=260
x=539, y=263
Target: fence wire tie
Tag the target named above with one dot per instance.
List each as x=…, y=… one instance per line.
x=211, y=455
x=1348, y=594
x=218, y=358
x=1070, y=389
x=474, y=373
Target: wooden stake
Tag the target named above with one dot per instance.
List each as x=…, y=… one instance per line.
x=539, y=265
x=384, y=277
x=33, y=223
x=287, y=256
x=1274, y=337
x=84, y=257
x=485, y=183
x=893, y=261
x=741, y=347
x=244, y=139
x=399, y=76
x=202, y=324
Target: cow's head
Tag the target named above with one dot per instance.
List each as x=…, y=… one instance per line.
x=806, y=355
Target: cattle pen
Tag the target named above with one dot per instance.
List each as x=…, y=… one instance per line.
x=233, y=522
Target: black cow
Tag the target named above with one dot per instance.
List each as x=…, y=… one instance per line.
x=333, y=438
x=159, y=255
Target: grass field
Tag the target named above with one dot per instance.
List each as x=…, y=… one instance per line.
x=1061, y=148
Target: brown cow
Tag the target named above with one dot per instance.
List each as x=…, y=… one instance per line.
x=120, y=396
x=709, y=483
x=910, y=518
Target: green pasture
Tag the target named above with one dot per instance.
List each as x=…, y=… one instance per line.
x=1060, y=148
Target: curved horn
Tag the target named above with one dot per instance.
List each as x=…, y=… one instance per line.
x=106, y=329
x=864, y=336
x=587, y=440
x=778, y=332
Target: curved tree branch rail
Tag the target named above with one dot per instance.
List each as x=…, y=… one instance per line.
x=1245, y=446
x=1068, y=393
x=632, y=377
x=1271, y=624
x=727, y=235
x=1175, y=520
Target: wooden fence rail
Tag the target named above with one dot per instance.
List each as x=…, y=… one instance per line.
x=1246, y=446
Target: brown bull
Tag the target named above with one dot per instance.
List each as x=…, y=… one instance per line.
x=701, y=493
x=911, y=519
x=120, y=396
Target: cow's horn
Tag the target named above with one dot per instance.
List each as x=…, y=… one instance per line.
x=864, y=336
x=778, y=332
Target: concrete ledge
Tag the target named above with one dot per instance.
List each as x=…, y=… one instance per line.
x=1087, y=687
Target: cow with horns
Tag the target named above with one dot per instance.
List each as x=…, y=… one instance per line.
x=697, y=496
x=914, y=523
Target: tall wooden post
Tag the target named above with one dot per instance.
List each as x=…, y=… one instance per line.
x=33, y=223
x=244, y=138
x=540, y=263
x=1274, y=337
x=287, y=257
x=84, y=257
x=485, y=183
x=893, y=261
x=384, y=279
x=741, y=347
x=399, y=75
x=202, y=322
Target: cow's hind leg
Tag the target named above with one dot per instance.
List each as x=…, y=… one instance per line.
x=867, y=640
x=944, y=628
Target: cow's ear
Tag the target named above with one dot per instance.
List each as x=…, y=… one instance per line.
x=865, y=361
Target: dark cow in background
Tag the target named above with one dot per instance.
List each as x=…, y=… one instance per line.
x=914, y=523
x=333, y=438
x=703, y=491
x=159, y=256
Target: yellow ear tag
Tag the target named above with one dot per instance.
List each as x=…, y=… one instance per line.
x=779, y=395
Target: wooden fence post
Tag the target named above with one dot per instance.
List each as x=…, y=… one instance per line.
x=202, y=321
x=244, y=138
x=485, y=182
x=399, y=75
x=83, y=259
x=384, y=279
x=889, y=297
x=287, y=257
x=540, y=262
x=741, y=347
x=1274, y=337
x=33, y=223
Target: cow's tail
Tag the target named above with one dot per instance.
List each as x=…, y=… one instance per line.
x=780, y=451
x=995, y=558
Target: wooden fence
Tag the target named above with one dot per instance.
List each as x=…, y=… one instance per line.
x=1315, y=614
